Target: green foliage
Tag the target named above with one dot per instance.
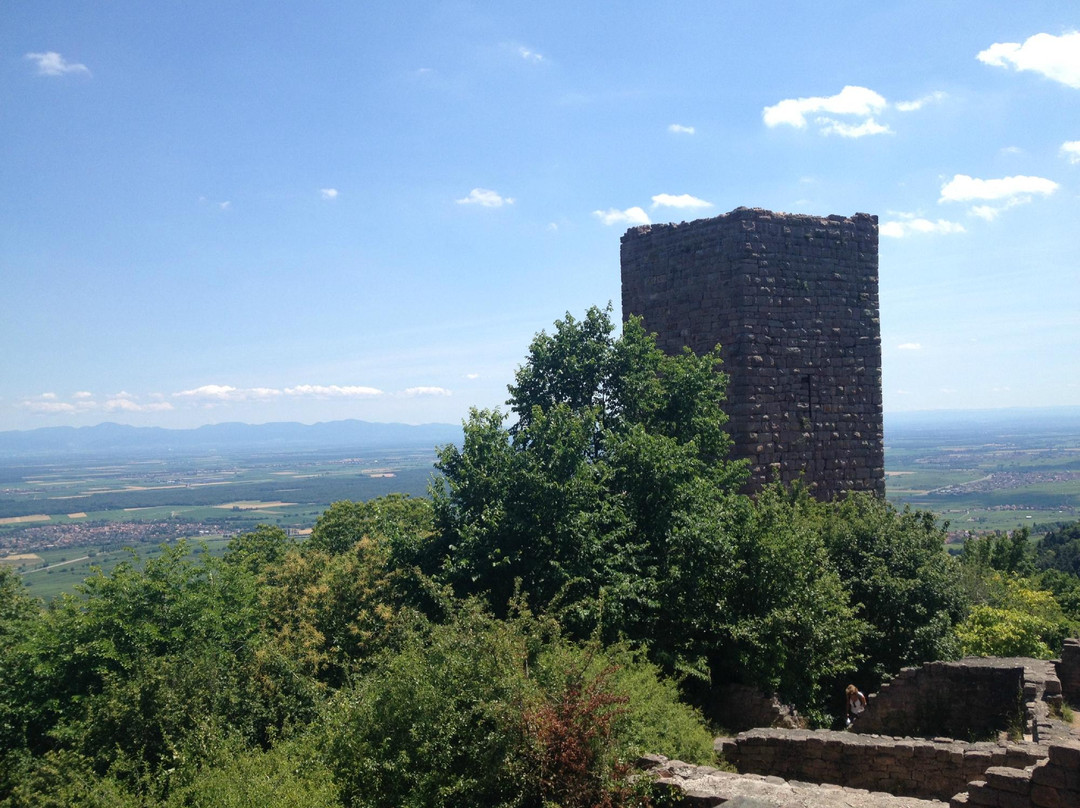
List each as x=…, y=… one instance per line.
x=591, y=498
x=259, y=549
x=1015, y=619
x=906, y=588
x=480, y=711
x=787, y=611
x=329, y=612
x=149, y=667
x=1060, y=550
x=398, y=518
x=287, y=776
x=61, y=779
x=1005, y=552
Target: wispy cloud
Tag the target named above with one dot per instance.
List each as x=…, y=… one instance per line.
x=333, y=391
x=1070, y=150
x=910, y=346
x=486, y=198
x=84, y=401
x=858, y=105
x=52, y=63
x=679, y=201
x=328, y=193
x=1007, y=192
x=631, y=216
x=529, y=55
x=412, y=392
x=129, y=404
x=919, y=103
x=679, y=129
x=1056, y=57
x=908, y=225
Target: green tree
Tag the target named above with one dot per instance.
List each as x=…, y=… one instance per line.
x=585, y=499
x=399, y=518
x=906, y=588
x=259, y=549
x=1015, y=619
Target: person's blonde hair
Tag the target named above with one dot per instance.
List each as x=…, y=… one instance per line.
x=851, y=690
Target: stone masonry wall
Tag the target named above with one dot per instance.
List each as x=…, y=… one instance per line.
x=969, y=698
x=1050, y=783
x=929, y=769
x=1068, y=671
x=793, y=301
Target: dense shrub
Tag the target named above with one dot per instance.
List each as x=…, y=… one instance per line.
x=480, y=711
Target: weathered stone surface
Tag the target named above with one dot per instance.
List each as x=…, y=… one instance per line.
x=930, y=769
x=793, y=302
x=708, y=786
x=974, y=696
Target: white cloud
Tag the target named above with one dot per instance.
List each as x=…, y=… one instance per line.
x=680, y=201
x=472, y=376
x=485, y=198
x=910, y=346
x=49, y=396
x=216, y=392
x=82, y=394
x=48, y=407
x=1056, y=57
x=631, y=216
x=963, y=188
x=1008, y=192
x=867, y=127
x=224, y=205
x=919, y=103
x=426, y=391
x=910, y=226
x=679, y=129
x=126, y=404
x=858, y=102
x=1070, y=150
x=52, y=63
x=328, y=193
x=333, y=391
x=529, y=55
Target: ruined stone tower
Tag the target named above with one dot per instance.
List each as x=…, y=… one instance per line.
x=793, y=301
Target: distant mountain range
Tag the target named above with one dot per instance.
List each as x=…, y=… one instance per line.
x=111, y=438
x=365, y=435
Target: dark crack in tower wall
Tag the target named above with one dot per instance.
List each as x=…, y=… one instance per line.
x=793, y=302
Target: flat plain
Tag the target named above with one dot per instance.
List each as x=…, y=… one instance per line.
x=62, y=517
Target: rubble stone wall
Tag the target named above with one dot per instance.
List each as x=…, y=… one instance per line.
x=793, y=302
x=913, y=767
x=1068, y=671
x=1050, y=783
x=966, y=699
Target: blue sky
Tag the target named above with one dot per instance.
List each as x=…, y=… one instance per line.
x=310, y=211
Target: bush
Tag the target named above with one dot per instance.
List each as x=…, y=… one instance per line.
x=501, y=713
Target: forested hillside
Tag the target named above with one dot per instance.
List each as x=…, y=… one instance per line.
x=583, y=573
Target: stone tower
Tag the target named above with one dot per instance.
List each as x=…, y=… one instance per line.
x=793, y=301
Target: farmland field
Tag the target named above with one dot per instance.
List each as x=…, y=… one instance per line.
x=989, y=471
x=61, y=517
x=58, y=519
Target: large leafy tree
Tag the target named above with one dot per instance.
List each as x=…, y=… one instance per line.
x=612, y=448
x=906, y=588
x=610, y=496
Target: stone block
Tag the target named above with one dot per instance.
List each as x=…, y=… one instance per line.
x=1047, y=797
x=1015, y=781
